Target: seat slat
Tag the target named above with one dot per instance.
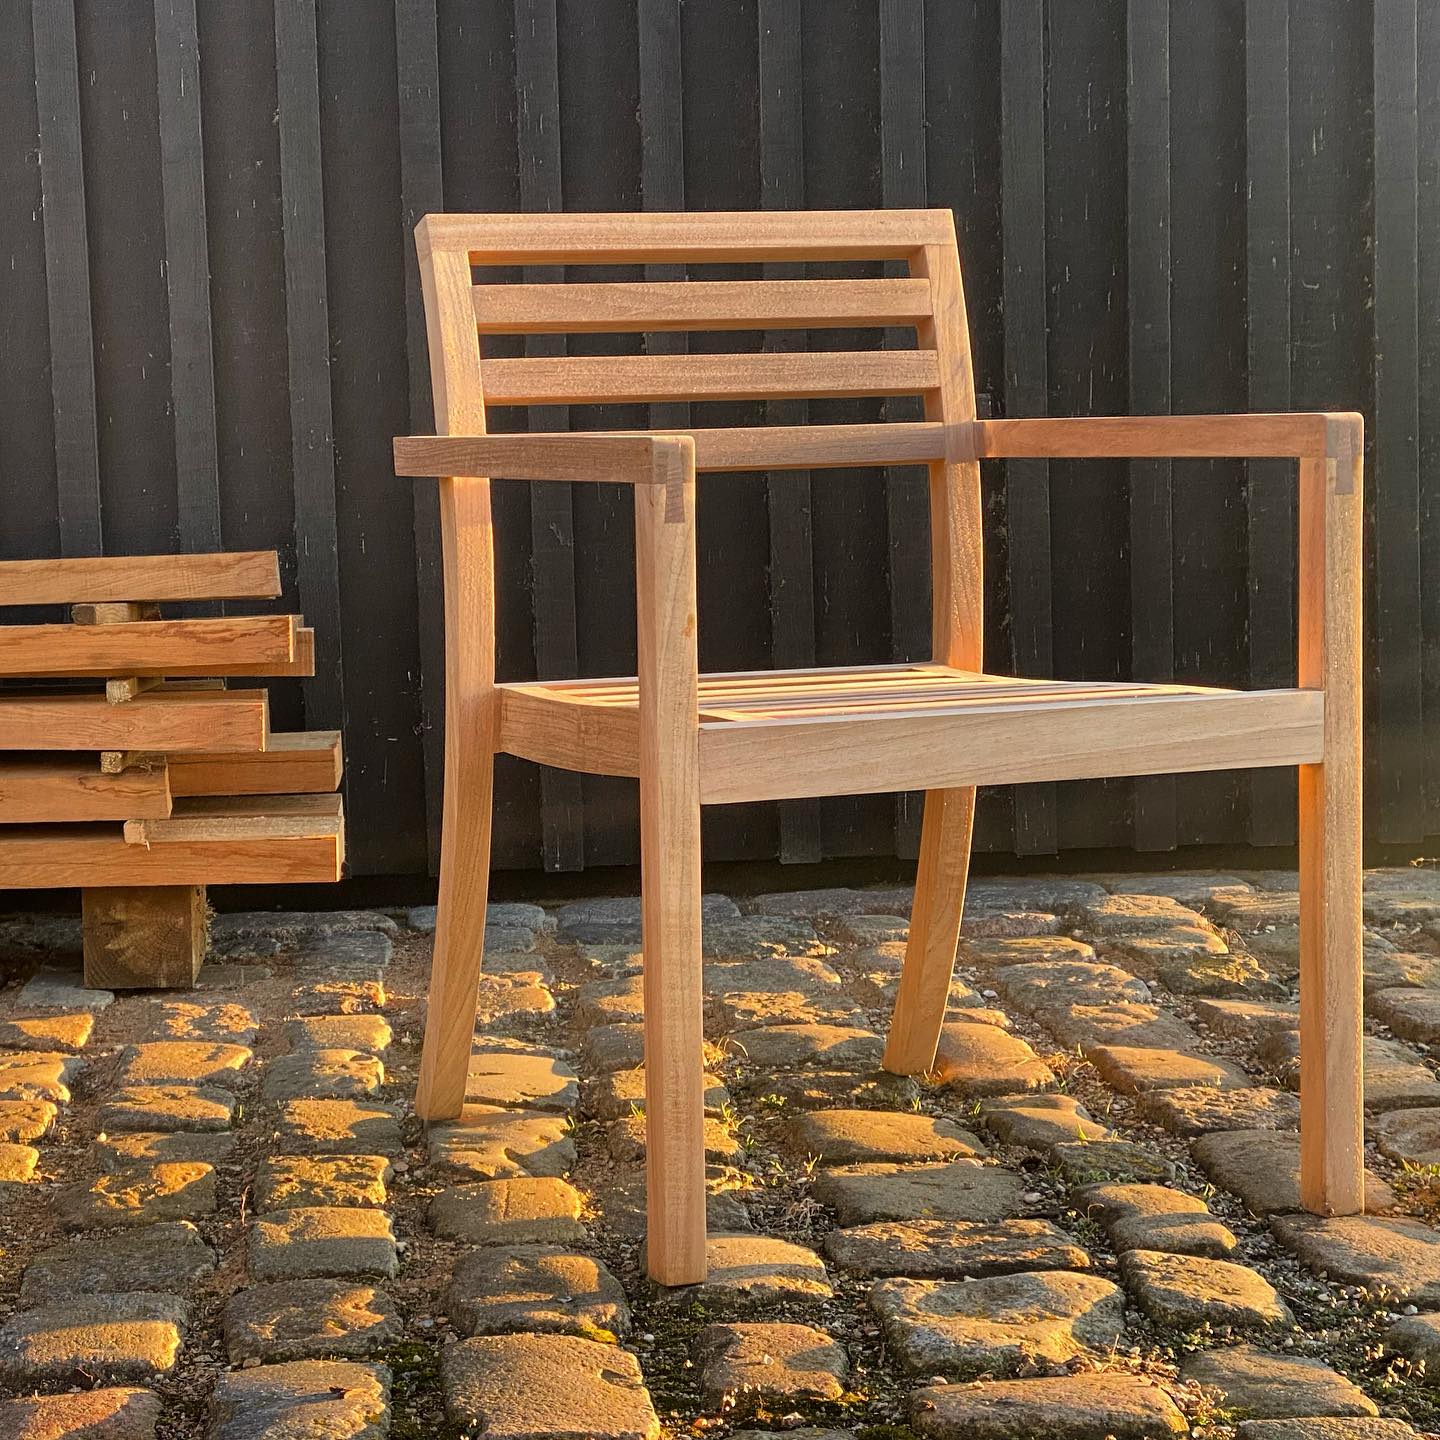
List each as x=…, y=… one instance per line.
x=621, y=307
x=623, y=379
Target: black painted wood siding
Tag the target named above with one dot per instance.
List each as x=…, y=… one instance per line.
x=210, y=328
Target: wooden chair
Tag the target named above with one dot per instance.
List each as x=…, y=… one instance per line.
x=944, y=726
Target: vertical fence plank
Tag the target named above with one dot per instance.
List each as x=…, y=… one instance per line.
x=1428, y=368
x=307, y=324
x=552, y=516
x=1271, y=483
x=903, y=186
x=1027, y=482
x=1152, y=635
x=67, y=278
x=187, y=276
x=787, y=492
x=1399, y=804
x=417, y=67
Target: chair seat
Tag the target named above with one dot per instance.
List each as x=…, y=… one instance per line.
x=855, y=730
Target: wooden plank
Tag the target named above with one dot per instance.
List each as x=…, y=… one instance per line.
x=770, y=447
x=1027, y=483
x=1170, y=436
x=624, y=378
x=552, y=517
x=187, y=275
x=715, y=237
x=620, y=307
x=670, y=882
x=1271, y=513
x=292, y=763
x=161, y=721
x=422, y=190
x=1331, y=583
x=301, y=663
x=59, y=789
x=903, y=184
x=147, y=647
x=239, y=575
x=307, y=323
x=788, y=495
x=143, y=938
x=196, y=815
x=1400, y=803
x=1152, y=590
x=1002, y=745
x=67, y=278
x=583, y=456
x=57, y=856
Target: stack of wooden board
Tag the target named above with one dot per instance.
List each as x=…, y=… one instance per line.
x=130, y=768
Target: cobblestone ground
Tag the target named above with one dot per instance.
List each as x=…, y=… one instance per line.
x=218, y=1217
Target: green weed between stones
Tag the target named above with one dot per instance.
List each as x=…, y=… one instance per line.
x=417, y=1403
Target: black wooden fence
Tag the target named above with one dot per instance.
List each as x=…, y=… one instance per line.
x=209, y=331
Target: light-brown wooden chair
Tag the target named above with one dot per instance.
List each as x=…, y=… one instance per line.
x=944, y=726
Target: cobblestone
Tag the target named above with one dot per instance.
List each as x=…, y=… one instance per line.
x=303, y=1400
x=746, y=1367
x=167, y=1108
x=1256, y=1384
x=139, y=1195
x=953, y=1249
x=112, y=1413
x=961, y=1190
x=304, y=1181
x=977, y=1060
x=311, y=1242
x=310, y=1320
x=1187, y=1291
x=523, y=1079
x=370, y=1034
x=322, y=1075
x=338, y=1127
x=508, y=1212
x=167, y=1256
x=748, y=1272
x=125, y=1338
x=1074, y=1407
x=488, y=1142
x=850, y=1136
x=536, y=1288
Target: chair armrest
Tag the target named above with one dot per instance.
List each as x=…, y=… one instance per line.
x=594, y=455
x=1315, y=435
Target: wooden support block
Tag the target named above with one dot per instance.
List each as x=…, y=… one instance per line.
x=241, y=575
x=120, y=692
x=116, y=762
x=143, y=937
x=66, y=789
x=293, y=763
x=114, y=612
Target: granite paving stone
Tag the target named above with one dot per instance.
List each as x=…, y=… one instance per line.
x=125, y=1338
x=1262, y=1167
x=182, y=1062
x=1039, y=1121
x=129, y=1148
x=1186, y=1291
x=54, y=989
x=1196, y=1110
x=338, y=1127
x=1411, y=1014
x=953, y=1249
x=1087, y=1162
x=748, y=1272
x=758, y=936
x=1408, y=1136
x=110, y=1413
x=1201, y=1235
x=1417, y=1338
x=1120, y=1023
x=1037, y=986
x=780, y=1045
x=1000, y=1324
x=866, y=930
x=622, y=1092
x=839, y=1137
x=1395, y=1254
x=1256, y=1384
x=322, y=1075
x=618, y=1046
x=26, y=1077
x=1190, y=888
x=626, y=1141
x=744, y=1011
x=1025, y=949
x=750, y=1366
x=59, y=1031
x=1109, y=1201
x=1133, y=914
x=310, y=1242
x=370, y=1034
x=17, y=1163
x=1247, y=1019
x=139, y=1195
x=170, y=1256
x=284, y=1182
x=1107, y=1406
x=1314, y=1427
x=488, y=1142
x=309, y=1320
x=302, y=1400
x=520, y=1288
x=165, y=1108
x=977, y=1060
x=25, y=1120
x=1398, y=969
x=955, y=1190
x=217, y=1020
x=525, y=1211
x=1134, y=1069
x=522, y=1079
x=546, y=1387
x=792, y=1090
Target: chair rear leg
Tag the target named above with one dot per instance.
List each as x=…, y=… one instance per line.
x=459, y=933
x=934, y=931
x=1332, y=1122
x=674, y=1029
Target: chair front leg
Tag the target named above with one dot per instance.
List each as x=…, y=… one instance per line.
x=935, y=917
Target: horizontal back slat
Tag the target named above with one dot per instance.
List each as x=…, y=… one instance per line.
x=699, y=305
x=732, y=237
x=582, y=380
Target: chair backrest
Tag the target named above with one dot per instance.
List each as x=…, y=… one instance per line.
x=928, y=301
